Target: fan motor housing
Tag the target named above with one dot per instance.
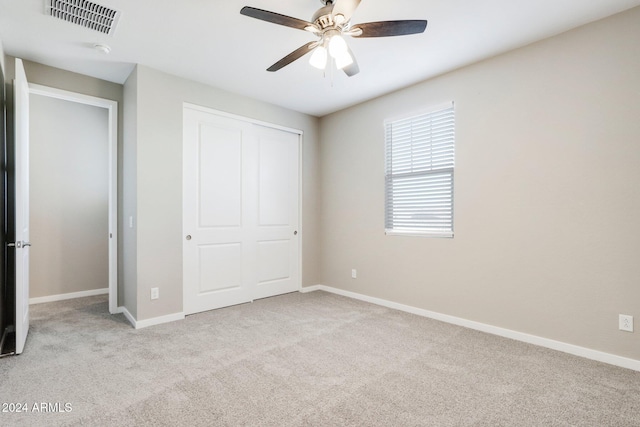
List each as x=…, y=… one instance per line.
x=323, y=17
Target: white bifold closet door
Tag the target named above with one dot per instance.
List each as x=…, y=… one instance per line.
x=240, y=211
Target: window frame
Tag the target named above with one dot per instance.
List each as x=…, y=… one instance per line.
x=450, y=170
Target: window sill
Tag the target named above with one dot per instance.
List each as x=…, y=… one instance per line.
x=414, y=233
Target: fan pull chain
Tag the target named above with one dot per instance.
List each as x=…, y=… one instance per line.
x=332, y=65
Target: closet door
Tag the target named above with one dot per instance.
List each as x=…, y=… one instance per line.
x=240, y=208
x=277, y=214
x=217, y=256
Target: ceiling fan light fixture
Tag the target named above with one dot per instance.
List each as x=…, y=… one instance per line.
x=337, y=46
x=343, y=60
x=330, y=23
x=319, y=58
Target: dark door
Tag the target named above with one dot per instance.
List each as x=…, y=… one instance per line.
x=6, y=291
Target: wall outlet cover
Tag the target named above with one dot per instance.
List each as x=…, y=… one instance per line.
x=626, y=323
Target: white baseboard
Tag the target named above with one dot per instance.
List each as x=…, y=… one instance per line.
x=139, y=324
x=159, y=320
x=118, y=310
x=71, y=295
x=315, y=288
x=575, y=350
x=127, y=315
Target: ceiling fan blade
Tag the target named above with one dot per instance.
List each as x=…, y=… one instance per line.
x=275, y=18
x=345, y=8
x=354, y=68
x=388, y=28
x=296, y=54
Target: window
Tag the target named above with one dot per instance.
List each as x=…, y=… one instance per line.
x=419, y=165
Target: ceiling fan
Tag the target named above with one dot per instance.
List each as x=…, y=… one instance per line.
x=330, y=23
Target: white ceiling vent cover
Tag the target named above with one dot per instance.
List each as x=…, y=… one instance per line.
x=85, y=13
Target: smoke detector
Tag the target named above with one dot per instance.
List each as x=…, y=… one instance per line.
x=102, y=48
x=84, y=13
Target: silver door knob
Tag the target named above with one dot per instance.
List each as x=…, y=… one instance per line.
x=188, y=237
x=295, y=233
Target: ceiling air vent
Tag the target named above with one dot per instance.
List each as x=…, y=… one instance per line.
x=85, y=13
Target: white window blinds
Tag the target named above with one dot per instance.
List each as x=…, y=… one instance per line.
x=419, y=174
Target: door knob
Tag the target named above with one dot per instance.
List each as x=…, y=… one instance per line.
x=295, y=233
x=188, y=237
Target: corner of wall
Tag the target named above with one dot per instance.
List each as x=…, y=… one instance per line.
x=128, y=251
x=2, y=57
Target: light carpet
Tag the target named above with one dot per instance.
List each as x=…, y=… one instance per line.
x=312, y=359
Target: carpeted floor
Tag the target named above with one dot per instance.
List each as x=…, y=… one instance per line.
x=312, y=359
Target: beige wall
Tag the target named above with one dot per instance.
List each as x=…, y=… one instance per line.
x=127, y=256
x=2, y=56
x=547, y=194
x=69, y=197
x=160, y=99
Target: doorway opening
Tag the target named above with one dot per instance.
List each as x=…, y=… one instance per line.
x=74, y=196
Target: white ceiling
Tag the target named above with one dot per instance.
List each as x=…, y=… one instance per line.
x=210, y=42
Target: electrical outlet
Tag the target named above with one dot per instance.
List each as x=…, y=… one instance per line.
x=354, y=274
x=155, y=293
x=626, y=323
